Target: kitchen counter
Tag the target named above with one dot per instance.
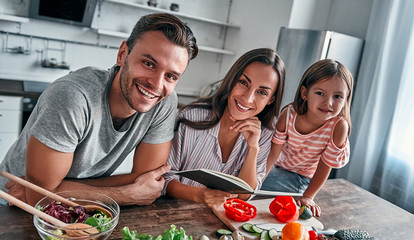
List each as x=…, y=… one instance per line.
x=344, y=206
x=27, y=89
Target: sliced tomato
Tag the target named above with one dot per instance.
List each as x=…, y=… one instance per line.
x=284, y=208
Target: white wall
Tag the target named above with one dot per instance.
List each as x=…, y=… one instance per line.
x=260, y=22
x=349, y=17
x=110, y=16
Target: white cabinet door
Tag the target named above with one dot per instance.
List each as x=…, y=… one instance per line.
x=11, y=102
x=10, y=121
x=6, y=140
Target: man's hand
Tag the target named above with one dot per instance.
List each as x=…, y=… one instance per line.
x=16, y=190
x=148, y=186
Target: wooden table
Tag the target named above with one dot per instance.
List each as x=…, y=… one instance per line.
x=347, y=206
x=344, y=206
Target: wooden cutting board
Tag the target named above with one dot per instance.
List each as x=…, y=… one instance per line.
x=264, y=219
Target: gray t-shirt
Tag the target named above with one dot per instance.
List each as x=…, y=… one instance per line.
x=73, y=115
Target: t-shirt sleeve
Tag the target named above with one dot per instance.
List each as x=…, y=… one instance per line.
x=61, y=117
x=279, y=137
x=162, y=127
x=334, y=156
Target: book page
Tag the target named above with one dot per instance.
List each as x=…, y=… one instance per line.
x=235, y=179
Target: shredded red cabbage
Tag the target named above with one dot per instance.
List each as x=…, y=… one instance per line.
x=66, y=213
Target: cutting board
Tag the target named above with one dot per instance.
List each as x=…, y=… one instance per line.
x=264, y=219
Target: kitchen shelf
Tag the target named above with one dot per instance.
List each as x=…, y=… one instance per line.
x=112, y=33
x=12, y=18
x=178, y=14
x=126, y=35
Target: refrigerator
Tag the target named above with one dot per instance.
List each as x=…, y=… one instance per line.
x=300, y=48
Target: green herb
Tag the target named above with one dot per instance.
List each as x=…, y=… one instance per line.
x=99, y=220
x=170, y=234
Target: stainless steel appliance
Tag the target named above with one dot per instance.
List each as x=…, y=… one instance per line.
x=300, y=48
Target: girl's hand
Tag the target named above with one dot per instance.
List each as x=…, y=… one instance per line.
x=250, y=128
x=309, y=203
x=215, y=198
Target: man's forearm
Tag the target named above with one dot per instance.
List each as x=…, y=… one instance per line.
x=118, y=193
x=111, y=181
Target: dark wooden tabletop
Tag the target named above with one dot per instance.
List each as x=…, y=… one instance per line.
x=347, y=206
x=344, y=206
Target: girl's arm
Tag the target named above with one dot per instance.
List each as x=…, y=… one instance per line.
x=210, y=197
x=340, y=135
x=318, y=179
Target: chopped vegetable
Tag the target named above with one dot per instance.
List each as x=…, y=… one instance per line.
x=284, y=208
x=248, y=227
x=239, y=210
x=273, y=235
x=257, y=229
x=99, y=220
x=77, y=214
x=66, y=213
x=264, y=235
x=221, y=232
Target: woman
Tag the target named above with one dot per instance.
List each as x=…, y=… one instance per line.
x=229, y=131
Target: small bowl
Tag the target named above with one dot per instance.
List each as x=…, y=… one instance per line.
x=49, y=231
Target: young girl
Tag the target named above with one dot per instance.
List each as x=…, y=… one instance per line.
x=311, y=134
x=229, y=131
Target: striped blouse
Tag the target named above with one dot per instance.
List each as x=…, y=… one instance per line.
x=301, y=153
x=193, y=149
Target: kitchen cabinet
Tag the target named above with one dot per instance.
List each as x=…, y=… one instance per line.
x=102, y=30
x=10, y=122
x=11, y=18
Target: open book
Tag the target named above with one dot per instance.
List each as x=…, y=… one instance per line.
x=227, y=183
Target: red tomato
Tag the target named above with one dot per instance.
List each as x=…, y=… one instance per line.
x=313, y=235
x=284, y=208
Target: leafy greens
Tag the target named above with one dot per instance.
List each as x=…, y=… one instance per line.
x=170, y=234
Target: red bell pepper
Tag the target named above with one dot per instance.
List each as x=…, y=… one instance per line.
x=284, y=208
x=239, y=210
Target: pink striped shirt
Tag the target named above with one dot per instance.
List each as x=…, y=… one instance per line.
x=193, y=149
x=301, y=152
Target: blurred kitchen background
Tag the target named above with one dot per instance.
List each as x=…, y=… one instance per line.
x=374, y=38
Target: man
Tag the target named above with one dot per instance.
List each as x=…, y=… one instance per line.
x=86, y=123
